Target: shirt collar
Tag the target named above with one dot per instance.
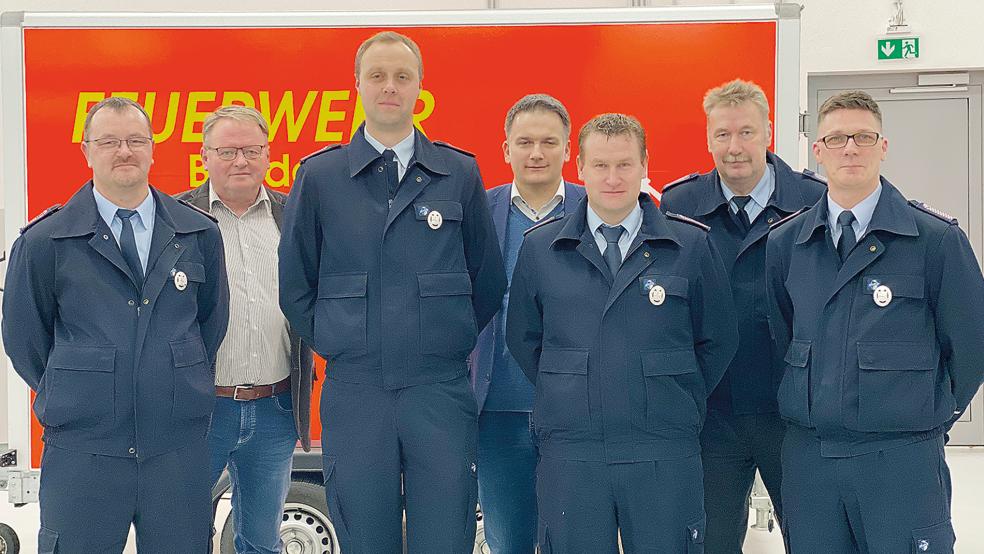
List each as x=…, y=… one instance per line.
x=107, y=209
x=763, y=189
x=402, y=149
x=862, y=211
x=260, y=199
x=514, y=194
x=631, y=223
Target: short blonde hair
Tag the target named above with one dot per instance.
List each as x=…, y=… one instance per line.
x=613, y=125
x=735, y=93
x=243, y=114
x=390, y=36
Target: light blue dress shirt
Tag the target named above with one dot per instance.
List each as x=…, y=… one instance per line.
x=402, y=149
x=143, y=222
x=632, y=223
x=760, y=194
x=862, y=211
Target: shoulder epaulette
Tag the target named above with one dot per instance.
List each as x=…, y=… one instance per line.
x=328, y=148
x=39, y=217
x=937, y=213
x=197, y=209
x=542, y=223
x=813, y=175
x=685, y=219
x=787, y=218
x=680, y=181
x=453, y=147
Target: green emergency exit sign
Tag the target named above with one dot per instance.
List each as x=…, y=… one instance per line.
x=898, y=48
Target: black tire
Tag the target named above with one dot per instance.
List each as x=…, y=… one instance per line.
x=9, y=543
x=305, y=528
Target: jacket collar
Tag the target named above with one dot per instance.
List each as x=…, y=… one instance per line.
x=425, y=153
x=891, y=215
x=785, y=198
x=82, y=216
x=654, y=224
x=199, y=198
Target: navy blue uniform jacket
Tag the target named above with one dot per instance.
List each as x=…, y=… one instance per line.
x=867, y=377
x=118, y=372
x=482, y=358
x=751, y=382
x=385, y=298
x=618, y=378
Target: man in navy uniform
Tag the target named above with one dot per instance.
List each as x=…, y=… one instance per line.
x=537, y=145
x=749, y=189
x=114, y=308
x=876, y=302
x=623, y=318
x=389, y=267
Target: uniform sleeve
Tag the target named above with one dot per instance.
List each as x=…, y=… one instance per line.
x=524, y=319
x=780, y=307
x=29, y=308
x=715, y=325
x=300, y=255
x=213, y=297
x=482, y=255
x=959, y=314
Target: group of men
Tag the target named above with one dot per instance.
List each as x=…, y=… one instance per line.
x=600, y=373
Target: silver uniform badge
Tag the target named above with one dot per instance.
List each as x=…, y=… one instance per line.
x=657, y=295
x=435, y=220
x=882, y=296
x=180, y=280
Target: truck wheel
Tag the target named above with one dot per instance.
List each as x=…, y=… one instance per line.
x=305, y=528
x=9, y=544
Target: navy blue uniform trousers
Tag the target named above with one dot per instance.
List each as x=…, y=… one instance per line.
x=860, y=505
x=656, y=506
x=159, y=495
x=425, y=433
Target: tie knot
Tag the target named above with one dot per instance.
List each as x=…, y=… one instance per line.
x=741, y=201
x=845, y=218
x=125, y=214
x=389, y=155
x=612, y=234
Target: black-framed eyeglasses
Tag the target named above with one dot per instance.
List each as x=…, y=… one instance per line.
x=229, y=153
x=863, y=139
x=133, y=143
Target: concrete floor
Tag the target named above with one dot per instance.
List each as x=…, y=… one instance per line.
x=966, y=466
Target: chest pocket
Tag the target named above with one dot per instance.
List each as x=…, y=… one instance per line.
x=664, y=306
x=435, y=213
x=904, y=312
x=194, y=274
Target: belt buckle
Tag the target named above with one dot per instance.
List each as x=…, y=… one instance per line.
x=235, y=392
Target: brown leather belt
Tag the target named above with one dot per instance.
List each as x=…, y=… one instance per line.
x=253, y=392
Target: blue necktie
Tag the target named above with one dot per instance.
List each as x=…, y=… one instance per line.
x=128, y=245
x=740, y=203
x=392, y=171
x=613, y=255
x=848, y=240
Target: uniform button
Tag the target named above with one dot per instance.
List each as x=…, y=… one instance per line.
x=132, y=450
x=419, y=179
x=130, y=302
x=146, y=301
x=105, y=237
x=923, y=545
x=872, y=248
x=645, y=254
x=177, y=246
x=771, y=219
x=379, y=169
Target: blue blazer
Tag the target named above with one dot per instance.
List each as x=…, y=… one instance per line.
x=480, y=361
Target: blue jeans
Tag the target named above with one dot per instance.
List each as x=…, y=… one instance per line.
x=507, y=481
x=256, y=439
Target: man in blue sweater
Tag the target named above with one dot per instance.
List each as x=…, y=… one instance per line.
x=537, y=145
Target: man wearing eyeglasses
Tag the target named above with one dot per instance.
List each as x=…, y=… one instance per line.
x=114, y=309
x=749, y=189
x=876, y=303
x=264, y=371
